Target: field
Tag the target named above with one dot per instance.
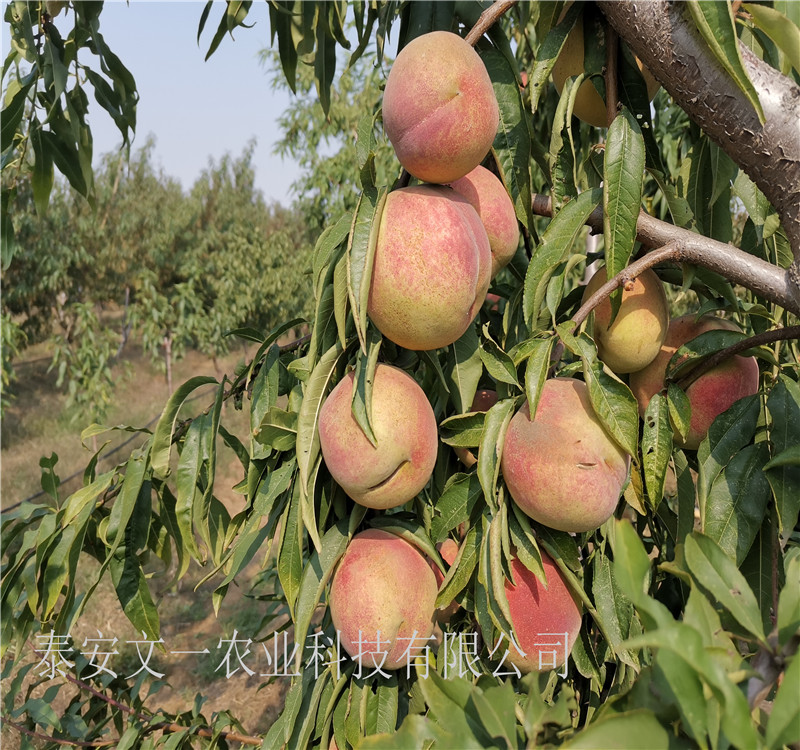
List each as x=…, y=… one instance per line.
x=36, y=424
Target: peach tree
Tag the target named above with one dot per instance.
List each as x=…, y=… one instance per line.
x=486, y=518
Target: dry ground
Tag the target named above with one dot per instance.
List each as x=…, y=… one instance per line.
x=37, y=424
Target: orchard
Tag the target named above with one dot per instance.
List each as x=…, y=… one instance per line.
x=532, y=478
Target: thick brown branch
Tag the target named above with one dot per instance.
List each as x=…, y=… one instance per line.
x=665, y=38
x=488, y=19
x=761, y=339
x=771, y=282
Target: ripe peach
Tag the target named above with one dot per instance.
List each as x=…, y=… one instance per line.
x=562, y=468
x=397, y=469
x=491, y=200
x=589, y=105
x=432, y=267
x=634, y=338
x=712, y=393
x=439, y=107
x=382, y=588
x=483, y=401
x=546, y=619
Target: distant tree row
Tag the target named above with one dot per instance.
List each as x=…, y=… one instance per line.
x=175, y=269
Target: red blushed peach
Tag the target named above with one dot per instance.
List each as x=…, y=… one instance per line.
x=432, y=267
x=546, y=618
x=439, y=107
x=712, y=393
x=382, y=588
x=483, y=401
x=634, y=339
x=562, y=468
x=399, y=467
x=491, y=200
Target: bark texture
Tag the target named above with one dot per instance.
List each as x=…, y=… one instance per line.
x=663, y=35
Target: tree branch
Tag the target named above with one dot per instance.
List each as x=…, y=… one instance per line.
x=488, y=19
x=769, y=281
x=761, y=339
x=612, y=93
x=665, y=39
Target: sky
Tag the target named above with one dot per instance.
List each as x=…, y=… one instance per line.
x=194, y=109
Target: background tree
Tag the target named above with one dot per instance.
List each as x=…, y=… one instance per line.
x=689, y=591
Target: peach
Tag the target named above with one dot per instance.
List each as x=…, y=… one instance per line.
x=562, y=468
x=546, y=618
x=439, y=108
x=491, y=200
x=483, y=401
x=399, y=467
x=383, y=588
x=634, y=339
x=448, y=549
x=589, y=105
x=432, y=267
x=712, y=393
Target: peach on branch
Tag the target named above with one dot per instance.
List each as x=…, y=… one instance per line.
x=382, y=600
x=634, y=339
x=712, y=393
x=589, y=105
x=562, y=468
x=439, y=108
x=394, y=471
x=432, y=267
x=491, y=200
x=546, y=618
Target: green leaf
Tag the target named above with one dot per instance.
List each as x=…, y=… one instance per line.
x=536, y=370
x=789, y=598
x=613, y=608
x=783, y=471
x=728, y=434
x=687, y=693
x=689, y=354
x=317, y=573
x=630, y=730
x=363, y=381
x=512, y=144
x=464, y=369
x=623, y=174
x=783, y=727
x=43, y=175
x=162, y=437
x=324, y=61
x=461, y=570
x=716, y=25
x=361, y=255
x=556, y=242
x=491, y=448
x=631, y=564
x=780, y=29
x=737, y=502
x=713, y=569
x=290, y=555
x=656, y=447
x=459, y=497
x=498, y=364
x=307, y=447
x=463, y=430
x=680, y=410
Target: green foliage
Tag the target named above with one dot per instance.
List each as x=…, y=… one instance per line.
x=683, y=643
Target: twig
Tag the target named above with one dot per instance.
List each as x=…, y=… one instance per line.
x=488, y=18
x=670, y=252
x=768, y=337
x=48, y=738
x=612, y=95
x=769, y=281
x=165, y=726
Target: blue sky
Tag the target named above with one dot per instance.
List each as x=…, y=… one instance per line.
x=194, y=109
